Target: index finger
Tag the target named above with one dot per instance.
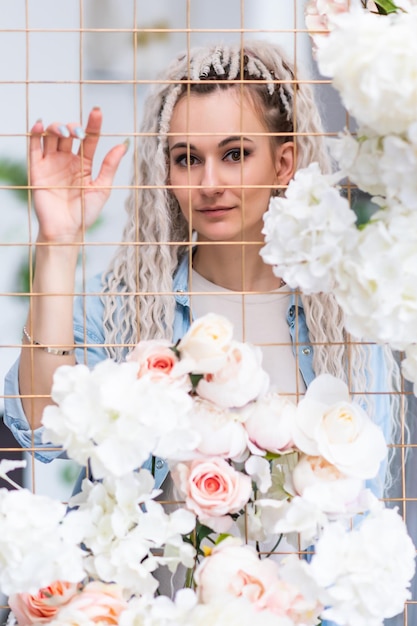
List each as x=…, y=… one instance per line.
x=92, y=131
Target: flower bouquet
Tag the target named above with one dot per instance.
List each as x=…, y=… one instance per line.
x=313, y=240
x=266, y=513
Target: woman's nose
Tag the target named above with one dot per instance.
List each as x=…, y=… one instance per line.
x=211, y=183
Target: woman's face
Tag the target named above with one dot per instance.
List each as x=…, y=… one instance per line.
x=224, y=165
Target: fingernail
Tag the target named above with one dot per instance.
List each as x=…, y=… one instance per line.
x=78, y=132
x=127, y=144
x=64, y=131
x=39, y=121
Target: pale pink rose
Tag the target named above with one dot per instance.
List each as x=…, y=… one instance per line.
x=318, y=13
x=239, y=381
x=268, y=423
x=235, y=571
x=153, y=357
x=318, y=481
x=99, y=602
x=42, y=606
x=206, y=343
x=212, y=490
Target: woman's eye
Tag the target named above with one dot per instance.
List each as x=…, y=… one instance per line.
x=185, y=160
x=236, y=155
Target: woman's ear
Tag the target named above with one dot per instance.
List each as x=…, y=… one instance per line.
x=285, y=162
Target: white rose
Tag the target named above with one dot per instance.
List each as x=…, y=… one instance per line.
x=206, y=343
x=221, y=431
x=327, y=424
x=318, y=481
x=239, y=381
x=268, y=423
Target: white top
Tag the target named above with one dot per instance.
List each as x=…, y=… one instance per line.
x=259, y=319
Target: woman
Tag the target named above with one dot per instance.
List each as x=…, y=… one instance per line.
x=224, y=132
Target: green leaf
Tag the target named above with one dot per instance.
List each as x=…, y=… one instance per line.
x=202, y=533
x=195, y=379
x=386, y=6
x=14, y=174
x=221, y=538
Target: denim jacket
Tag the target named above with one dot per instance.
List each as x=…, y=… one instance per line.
x=91, y=333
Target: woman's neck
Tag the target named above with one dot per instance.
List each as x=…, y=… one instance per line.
x=235, y=267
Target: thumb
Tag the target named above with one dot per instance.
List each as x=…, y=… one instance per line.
x=110, y=164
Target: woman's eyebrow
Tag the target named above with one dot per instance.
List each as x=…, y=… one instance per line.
x=233, y=139
x=222, y=143
x=182, y=145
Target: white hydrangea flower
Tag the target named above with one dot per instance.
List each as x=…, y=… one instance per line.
x=380, y=165
x=299, y=519
x=38, y=543
x=308, y=231
x=377, y=282
x=125, y=528
x=373, y=64
x=114, y=419
x=365, y=573
x=160, y=610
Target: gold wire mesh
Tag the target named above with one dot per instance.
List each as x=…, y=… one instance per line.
x=56, y=72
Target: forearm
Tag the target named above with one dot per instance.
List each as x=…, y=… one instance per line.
x=49, y=322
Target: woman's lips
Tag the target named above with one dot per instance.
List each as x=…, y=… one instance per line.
x=215, y=210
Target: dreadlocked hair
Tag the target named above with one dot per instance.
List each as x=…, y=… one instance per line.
x=140, y=302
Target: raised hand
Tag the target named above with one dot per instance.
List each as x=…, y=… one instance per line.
x=66, y=198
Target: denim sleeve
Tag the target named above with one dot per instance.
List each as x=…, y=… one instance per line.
x=89, y=335
x=383, y=416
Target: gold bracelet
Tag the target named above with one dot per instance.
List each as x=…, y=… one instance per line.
x=49, y=350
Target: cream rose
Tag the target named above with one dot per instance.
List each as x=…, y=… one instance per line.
x=212, y=490
x=98, y=602
x=42, y=606
x=239, y=381
x=206, y=343
x=327, y=424
x=318, y=481
x=268, y=423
